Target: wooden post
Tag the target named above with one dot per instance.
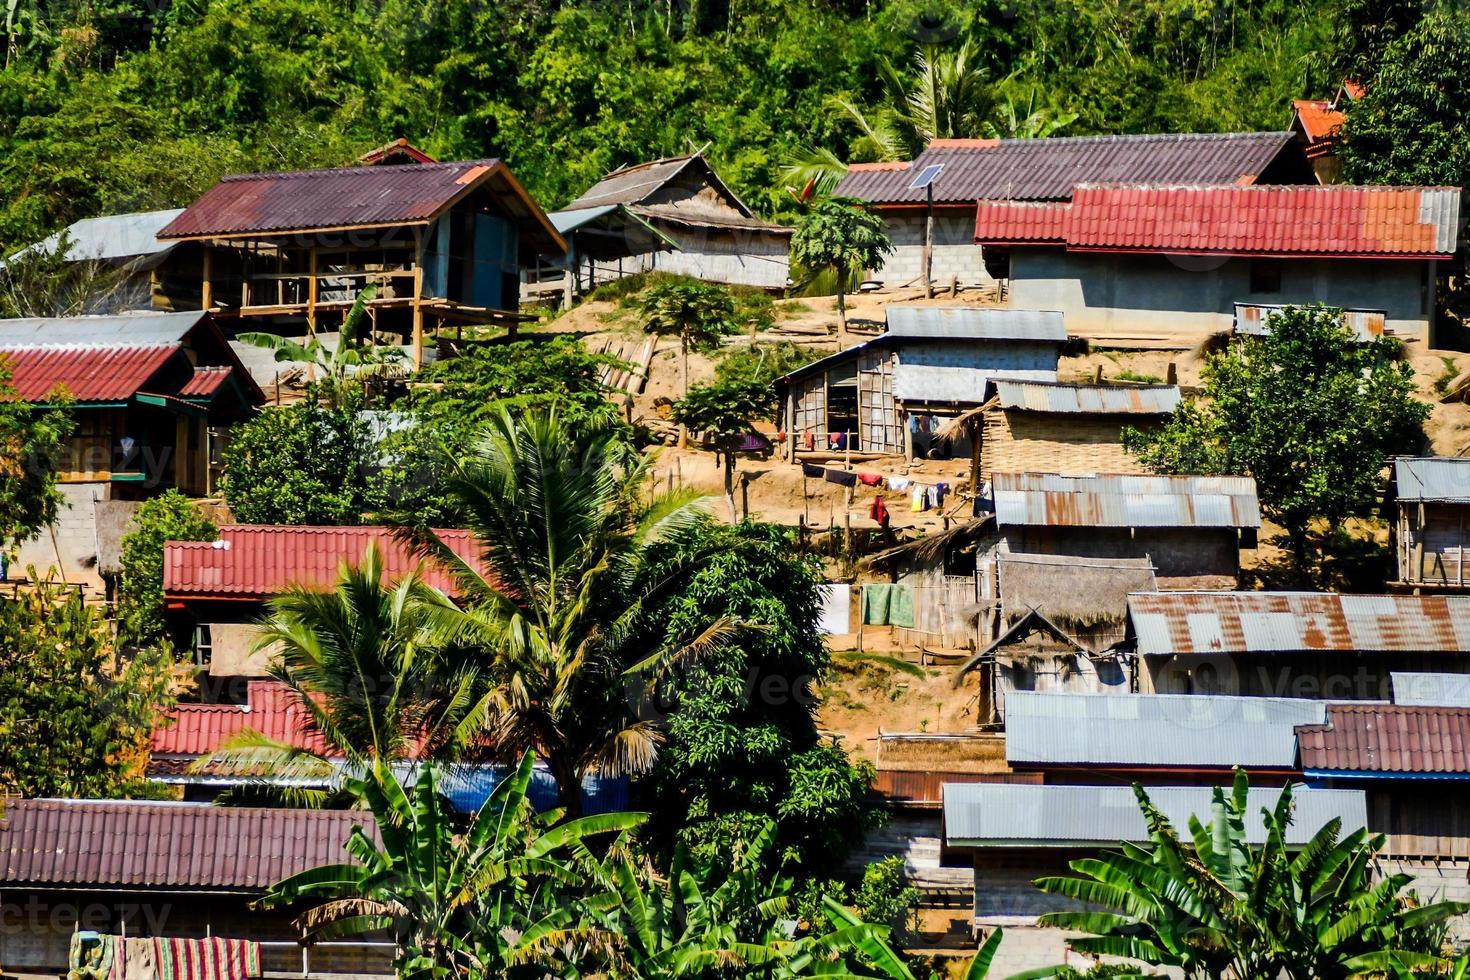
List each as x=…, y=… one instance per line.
x=418, y=299
x=569, y=286
x=311, y=294
x=206, y=296
x=928, y=257
x=1460, y=551
x=790, y=424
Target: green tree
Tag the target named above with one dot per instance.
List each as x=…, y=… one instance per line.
x=566, y=525
x=840, y=235
x=32, y=442
x=167, y=517
x=486, y=900
x=697, y=313
x=369, y=672
x=742, y=744
x=1405, y=129
x=1309, y=411
x=73, y=722
x=885, y=896
x=1211, y=904
x=305, y=463
x=724, y=412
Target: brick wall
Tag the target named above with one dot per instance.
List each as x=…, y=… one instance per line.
x=955, y=253
x=75, y=537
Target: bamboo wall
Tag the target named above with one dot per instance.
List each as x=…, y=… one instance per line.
x=1034, y=442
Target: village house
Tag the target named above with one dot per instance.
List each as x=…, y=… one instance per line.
x=441, y=245
x=893, y=394
x=1293, y=644
x=1316, y=126
x=144, y=869
x=152, y=396
x=938, y=190
x=671, y=215
x=1013, y=834
x=1432, y=524
x=1162, y=264
x=189, y=733
x=216, y=591
x=1190, y=527
x=1046, y=427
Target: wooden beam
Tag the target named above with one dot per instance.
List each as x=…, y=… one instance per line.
x=207, y=290
x=418, y=300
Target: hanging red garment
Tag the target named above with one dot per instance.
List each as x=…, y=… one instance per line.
x=878, y=511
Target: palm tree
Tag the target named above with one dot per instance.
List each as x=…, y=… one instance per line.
x=557, y=602
x=368, y=672
x=1212, y=905
x=487, y=899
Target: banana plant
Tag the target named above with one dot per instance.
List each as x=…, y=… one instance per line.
x=488, y=899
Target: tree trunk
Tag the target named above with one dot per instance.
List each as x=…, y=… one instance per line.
x=683, y=385
x=568, y=787
x=730, y=482
x=841, y=303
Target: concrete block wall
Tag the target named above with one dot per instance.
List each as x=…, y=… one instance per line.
x=73, y=554
x=955, y=253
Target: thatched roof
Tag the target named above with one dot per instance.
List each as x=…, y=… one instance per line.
x=931, y=547
x=1080, y=592
x=958, y=426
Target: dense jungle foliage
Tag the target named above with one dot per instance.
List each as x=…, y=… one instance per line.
x=118, y=105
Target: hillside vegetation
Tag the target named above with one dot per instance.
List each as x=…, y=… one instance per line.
x=124, y=105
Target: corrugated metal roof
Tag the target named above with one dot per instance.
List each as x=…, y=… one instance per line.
x=1034, y=396
x=975, y=323
x=110, y=237
x=306, y=200
x=1320, y=119
x=999, y=815
x=258, y=561
x=1048, y=169
x=1286, y=622
x=1338, y=220
x=633, y=184
x=1254, y=319
x=1423, y=688
x=120, y=330
x=571, y=220
x=1388, y=738
x=936, y=383
x=1021, y=222
x=168, y=846
x=1178, y=731
x=270, y=709
x=1438, y=479
x=1116, y=500
x=205, y=382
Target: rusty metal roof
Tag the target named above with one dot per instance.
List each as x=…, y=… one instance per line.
x=257, y=561
x=1389, y=739
x=191, y=847
x=1044, y=396
x=344, y=197
x=974, y=323
x=1437, y=479
x=1048, y=169
x=1116, y=500
x=1168, y=623
x=1254, y=319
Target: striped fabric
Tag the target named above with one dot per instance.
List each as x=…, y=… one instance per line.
x=186, y=959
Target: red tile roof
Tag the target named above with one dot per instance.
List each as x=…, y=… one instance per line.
x=271, y=709
x=1388, y=738
x=89, y=374
x=1320, y=119
x=319, y=199
x=205, y=382
x=189, y=847
x=1048, y=169
x=1400, y=222
x=259, y=561
x=1021, y=222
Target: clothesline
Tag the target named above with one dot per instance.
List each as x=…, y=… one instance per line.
x=922, y=495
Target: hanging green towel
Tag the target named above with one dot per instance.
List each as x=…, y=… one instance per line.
x=888, y=605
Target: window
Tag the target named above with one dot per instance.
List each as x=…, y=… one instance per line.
x=1265, y=276
x=203, y=646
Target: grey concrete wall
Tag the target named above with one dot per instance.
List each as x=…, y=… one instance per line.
x=73, y=555
x=1114, y=296
x=955, y=253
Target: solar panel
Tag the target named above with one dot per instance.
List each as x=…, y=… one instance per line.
x=926, y=176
